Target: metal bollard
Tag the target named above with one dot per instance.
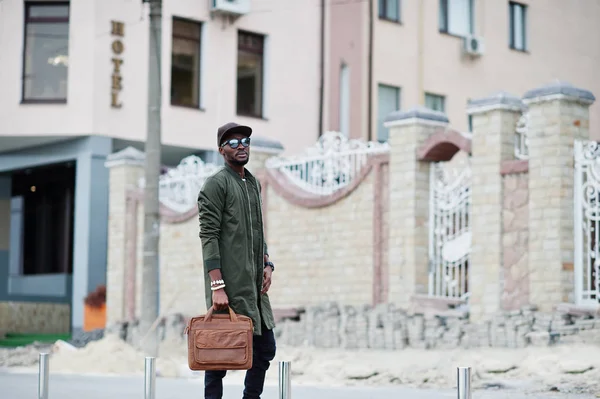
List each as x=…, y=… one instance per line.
x=150, y=378
x=464, y=382
x=43, y=375
x=285, y=383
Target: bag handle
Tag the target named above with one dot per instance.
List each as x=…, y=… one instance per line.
x=232, y=315
x=208, y=317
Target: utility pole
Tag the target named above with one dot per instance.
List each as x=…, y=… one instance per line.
x=150, y=271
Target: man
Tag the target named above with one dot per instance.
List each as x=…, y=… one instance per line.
x=236, y=262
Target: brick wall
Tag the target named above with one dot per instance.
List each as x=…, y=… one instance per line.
x=181, y=267
x=335, y=247
x=322, y=253
x=367, y=244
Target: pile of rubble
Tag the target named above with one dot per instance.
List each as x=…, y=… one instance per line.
x=25, y=356
x=389, y=328
x=386, y=327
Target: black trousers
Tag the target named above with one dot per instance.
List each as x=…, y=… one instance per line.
x=263, y=351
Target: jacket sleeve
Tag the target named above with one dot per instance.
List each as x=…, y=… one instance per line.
x=211, y=200
x=265, y=248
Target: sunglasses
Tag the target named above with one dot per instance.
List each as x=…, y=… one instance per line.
x=235, y=143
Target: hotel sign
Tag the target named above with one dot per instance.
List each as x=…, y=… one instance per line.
x=117, y=46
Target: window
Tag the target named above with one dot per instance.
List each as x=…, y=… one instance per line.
x=518, y=26
x=435, y=102
x=388, y=101
x=46, y=55
x=250, y=67
x=185, y=63
x=456, y=17
x=42, y=220
x=345, y=99
x=390, y=10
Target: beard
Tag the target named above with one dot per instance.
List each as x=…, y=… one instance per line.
x=240, y=163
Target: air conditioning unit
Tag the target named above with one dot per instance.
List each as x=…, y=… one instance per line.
x=230, y=7
x=473, y=45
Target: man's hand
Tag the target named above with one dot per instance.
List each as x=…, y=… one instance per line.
x=267, y=272
x=219, y=297
x=220, y=300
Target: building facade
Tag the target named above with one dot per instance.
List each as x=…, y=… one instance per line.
x=74, y=78
x=441, y=53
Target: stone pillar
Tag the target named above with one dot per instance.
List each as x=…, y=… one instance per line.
x=126, y=168
x=494, y=122
x=559, y=114
x=409, y=202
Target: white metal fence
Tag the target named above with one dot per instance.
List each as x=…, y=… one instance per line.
x=449, y=230
x=587, y=222
x=179, y=187
x=333, y=163
x=521, y=141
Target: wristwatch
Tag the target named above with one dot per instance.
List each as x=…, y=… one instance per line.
x=270, y=264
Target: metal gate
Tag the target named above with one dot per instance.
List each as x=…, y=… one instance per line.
x=587, y=222
x=449, y=229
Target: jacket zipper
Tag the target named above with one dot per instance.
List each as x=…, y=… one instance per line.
x=254, y=272
x=251, y=227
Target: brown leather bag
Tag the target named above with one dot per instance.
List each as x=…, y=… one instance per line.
x=219, y=341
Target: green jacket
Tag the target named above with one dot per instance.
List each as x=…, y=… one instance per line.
x=231, y=231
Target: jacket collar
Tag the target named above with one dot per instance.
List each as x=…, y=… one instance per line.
x=247, y=173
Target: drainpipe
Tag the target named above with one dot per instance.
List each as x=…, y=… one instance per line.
x=322, y=69
x=420, y=55
x=370, y=69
